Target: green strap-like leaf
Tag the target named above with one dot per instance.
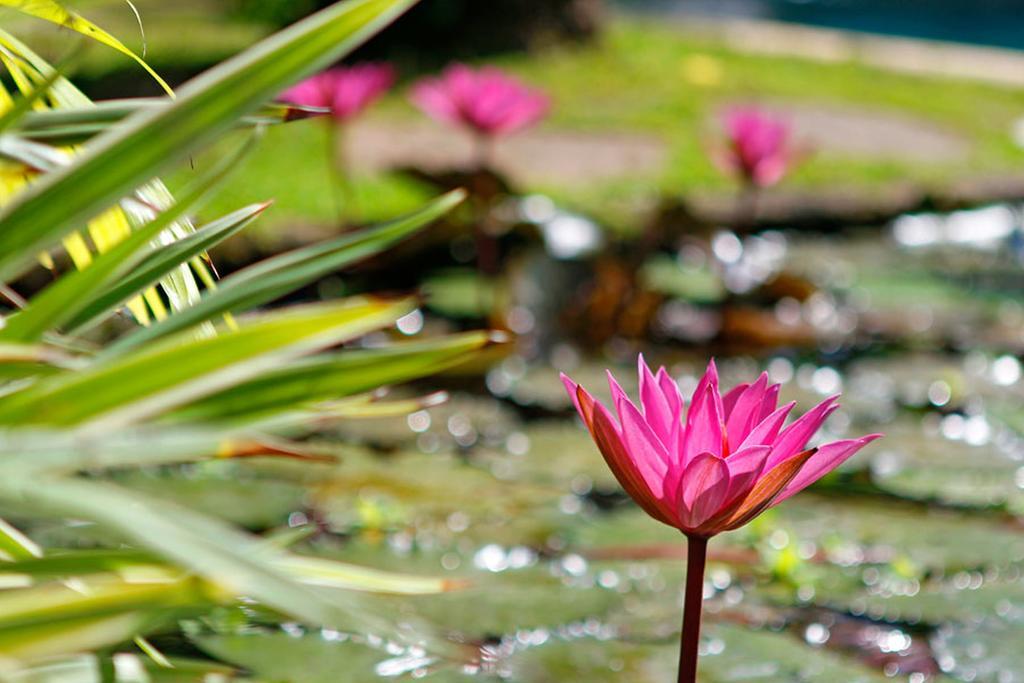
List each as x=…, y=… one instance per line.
x=23, y=105
x=66, y=451
x=75, y=291
x=160, y=261
x=180, y=286
x=44, y=641
x=17, y=545
x=27, y=360
x=238, y=563
x=73, y=126
x=334, y=376
x=54, y=12
x=52, y=603
x=182, y=369
x=79, y=562
x=314, y=571
x=149, y=141
x=285, y=273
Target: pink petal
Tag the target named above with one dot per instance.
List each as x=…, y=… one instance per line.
x=309, y=93
x=618, y=393
x=356, y=87
x=770, y=170
x=670, y=390
x=643, y=445
x=768, y=429
x=434, y=101
x=745, y=466
x=733, y=395
x=703, y=425
x=572, y=387
x=828, y=457
x=771, y=400
x=794, y=437
x=710, y=378
x=486, y=100
x=759, y=145
x=746, y=412
x=703, y=490
x=625, y=468
x=658, y=411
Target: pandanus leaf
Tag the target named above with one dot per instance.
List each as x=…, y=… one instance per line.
x=123, y=390
x=76, y=125
x=73, y=293
x=277, y=276
x=56, y=13
x=334, y=376
x=149, y=141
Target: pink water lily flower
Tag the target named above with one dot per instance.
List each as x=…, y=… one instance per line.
x=758, y=146
x=486, y=100
x=710, y=467
x=345, y=90
x=717, y=465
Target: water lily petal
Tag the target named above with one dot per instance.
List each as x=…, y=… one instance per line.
x=764, y=492
x=657, y=410
x=643, y=445
x=625, y=468
x=731, y=396
x=794, y=438
x=703, y=426
x=745, y=466
x=770, y=401
x=746, y=412
x=828, y=457
x=671, y=391
x=573, y=388
x=768, y=429
x=704, y=486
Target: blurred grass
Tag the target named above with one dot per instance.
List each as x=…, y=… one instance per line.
x=641, y=77
x=289, y=166
x=636, y=79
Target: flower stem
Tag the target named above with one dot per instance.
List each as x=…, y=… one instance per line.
x=689, y=640
x=747, y=206
x=483, y=152
x=339, y=174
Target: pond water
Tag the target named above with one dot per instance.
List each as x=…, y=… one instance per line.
x=985, y=22
x=906, y=565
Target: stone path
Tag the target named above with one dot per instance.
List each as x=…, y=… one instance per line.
x=868, y=134
x=537, y=157
x=576, y=158
x=568, y=158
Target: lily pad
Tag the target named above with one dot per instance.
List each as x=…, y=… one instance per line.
x=986, y=653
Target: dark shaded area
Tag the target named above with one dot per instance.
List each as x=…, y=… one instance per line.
x=430, y=35
x=437, y=31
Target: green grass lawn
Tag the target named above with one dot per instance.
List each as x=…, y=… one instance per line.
x=636, y=78
x=641, y=77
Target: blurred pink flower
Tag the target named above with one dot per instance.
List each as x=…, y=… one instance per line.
x=758, y=147
x=486, y=100
x=345, y=90
x=719, y=465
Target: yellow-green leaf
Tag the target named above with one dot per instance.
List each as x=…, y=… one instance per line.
x=54, y=12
